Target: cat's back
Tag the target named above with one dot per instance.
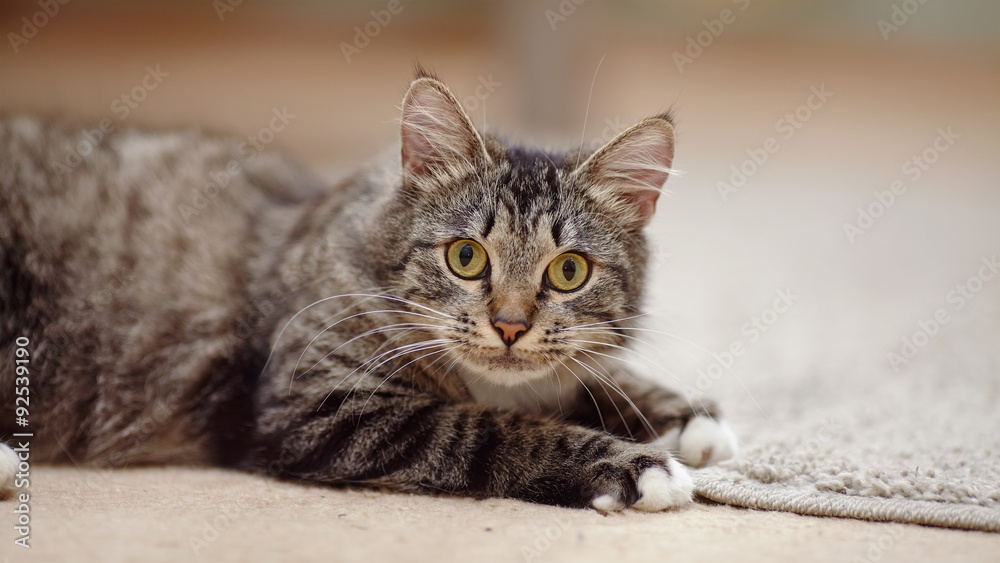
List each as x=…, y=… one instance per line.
x=53, y=166
x=127, y=257
x=85, y=206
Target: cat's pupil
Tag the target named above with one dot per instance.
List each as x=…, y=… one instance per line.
x=569, y=269
x=465, y=255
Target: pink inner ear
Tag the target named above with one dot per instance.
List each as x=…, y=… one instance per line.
x=416, y=150
x=435, y=131
x=643, y=200
x=639, y=164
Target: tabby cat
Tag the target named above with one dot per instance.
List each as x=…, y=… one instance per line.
x=445, y=320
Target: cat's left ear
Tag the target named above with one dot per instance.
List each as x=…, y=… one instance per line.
x=628, y=173
x=438, y=139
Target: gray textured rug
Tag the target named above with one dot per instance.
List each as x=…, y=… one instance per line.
x=921, y=446
x=863, y=379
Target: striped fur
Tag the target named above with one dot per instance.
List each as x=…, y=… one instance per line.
x=317, y=333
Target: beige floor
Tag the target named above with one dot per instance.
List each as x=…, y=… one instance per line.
x=210, y=515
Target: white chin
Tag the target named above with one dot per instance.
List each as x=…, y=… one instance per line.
x=506, y=371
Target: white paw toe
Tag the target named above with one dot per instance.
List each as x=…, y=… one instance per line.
x=8, y=470
x=607, y=503
x=705, y=441
x=659, y=490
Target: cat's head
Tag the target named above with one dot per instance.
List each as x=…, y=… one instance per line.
x=522, y=258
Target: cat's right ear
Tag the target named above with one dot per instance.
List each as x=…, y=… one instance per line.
x=438, y=139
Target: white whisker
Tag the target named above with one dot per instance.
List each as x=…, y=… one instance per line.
x=593, y=399
x=393, y=354
x=700, y=348
x=607, y=379
x=369, y=333
x=575, y=327
x=289, y=322
x=394, y=372
x=586, y=115
x=613, y=333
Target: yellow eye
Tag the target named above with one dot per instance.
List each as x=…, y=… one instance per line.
x=467, y=258
x=568, y=271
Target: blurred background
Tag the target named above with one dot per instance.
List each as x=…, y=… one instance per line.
x=524, y=67
x=793, y=117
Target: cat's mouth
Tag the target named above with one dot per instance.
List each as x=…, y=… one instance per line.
x=509, y=361
x=507, y=367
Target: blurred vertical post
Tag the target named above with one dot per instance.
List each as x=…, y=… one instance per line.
x=543, y=42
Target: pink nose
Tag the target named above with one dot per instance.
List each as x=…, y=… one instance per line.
x=510, y=331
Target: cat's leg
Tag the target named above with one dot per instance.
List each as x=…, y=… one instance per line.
x=645, y=412
x=413, y=442
x=8, y=471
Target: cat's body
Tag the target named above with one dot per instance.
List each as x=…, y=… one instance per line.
x=443, y=322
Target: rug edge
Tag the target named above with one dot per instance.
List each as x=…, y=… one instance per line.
x=819, y=503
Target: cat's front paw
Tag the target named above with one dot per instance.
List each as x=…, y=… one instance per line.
x=642, y=483
x=660, y=490
x=703, y=441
